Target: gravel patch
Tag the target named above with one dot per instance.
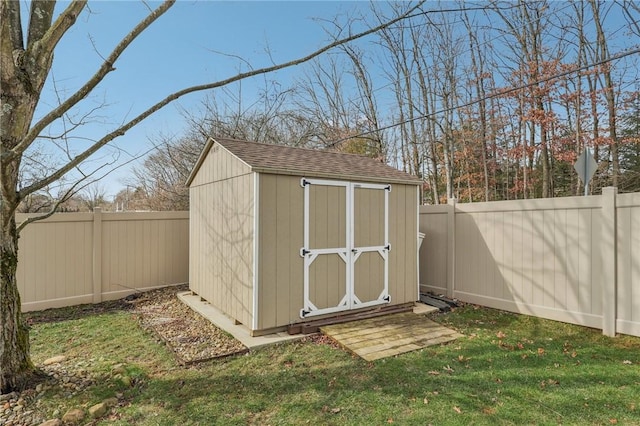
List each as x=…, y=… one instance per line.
x=191, y=337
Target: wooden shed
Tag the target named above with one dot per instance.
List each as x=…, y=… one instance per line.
x=281, y=235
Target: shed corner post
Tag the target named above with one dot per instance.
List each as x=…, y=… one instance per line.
x=451, y=246
x=609, y=277
x=97, y=255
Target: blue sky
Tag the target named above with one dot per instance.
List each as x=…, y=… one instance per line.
x=177, y=51
x=187, y=46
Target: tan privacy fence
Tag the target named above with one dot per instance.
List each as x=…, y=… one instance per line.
x=573, y=259
x=74, y=258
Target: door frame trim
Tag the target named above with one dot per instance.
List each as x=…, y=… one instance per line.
x=348, y=254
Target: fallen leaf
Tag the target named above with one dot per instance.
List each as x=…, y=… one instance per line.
x=627, y=362
x=501, y=335
x=457, y=410
x=335, y=410
x=489, y=410
x=448, y=369
x=426, y=401
x=390, y=421
x=540, y=351
x=434, y=373
x=574, y=354
x=520, y=345
x=613, y=421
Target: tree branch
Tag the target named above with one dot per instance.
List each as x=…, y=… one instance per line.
x=52, y=37
x=174, y=96
x=40, y=18
x=12, y=24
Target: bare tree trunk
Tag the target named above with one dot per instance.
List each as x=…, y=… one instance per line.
x=609, y=92
x=17, y=367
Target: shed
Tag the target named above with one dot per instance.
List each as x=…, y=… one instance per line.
x=281, y=235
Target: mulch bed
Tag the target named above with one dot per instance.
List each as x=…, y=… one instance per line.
x=191, y=337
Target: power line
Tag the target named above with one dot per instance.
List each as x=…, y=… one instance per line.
x=353, y=101
x=492, y=95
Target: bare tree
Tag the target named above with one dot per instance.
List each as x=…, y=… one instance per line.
x=24, y=68
x=94, y=195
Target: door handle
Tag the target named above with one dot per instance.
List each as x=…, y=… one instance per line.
x=354, y=251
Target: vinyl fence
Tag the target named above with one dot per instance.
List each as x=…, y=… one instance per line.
x=574, y=259
x=75, y=258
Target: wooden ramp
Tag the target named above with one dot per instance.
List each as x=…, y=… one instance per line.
x=382, y=337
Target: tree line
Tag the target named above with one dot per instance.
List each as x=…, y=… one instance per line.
x=489, y=102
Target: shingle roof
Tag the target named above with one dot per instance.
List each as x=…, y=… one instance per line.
x=280, y=159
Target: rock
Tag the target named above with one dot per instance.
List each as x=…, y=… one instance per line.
x=73, y=416
x=8, y=396
x=52, y=422
x=126, y=380
x=98, y=410
x=110, y=402
x=55, y=360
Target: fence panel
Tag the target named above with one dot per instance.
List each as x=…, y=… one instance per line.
x=434, y=252
x=74, y=258
x=55, y=261
x=554, y=258
x=628, y=263
x=531, y=257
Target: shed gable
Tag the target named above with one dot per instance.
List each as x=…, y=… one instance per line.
x=216, y=163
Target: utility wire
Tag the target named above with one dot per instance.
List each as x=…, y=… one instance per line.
x=503, y=92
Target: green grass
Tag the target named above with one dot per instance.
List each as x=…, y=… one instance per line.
x=508, y=369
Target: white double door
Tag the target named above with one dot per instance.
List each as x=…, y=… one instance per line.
x=346, y=246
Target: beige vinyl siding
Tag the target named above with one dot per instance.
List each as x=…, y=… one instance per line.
x=628, y=303
x=73, y=258
x=221, y=265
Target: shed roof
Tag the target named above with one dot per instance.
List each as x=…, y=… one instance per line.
x=281, y=159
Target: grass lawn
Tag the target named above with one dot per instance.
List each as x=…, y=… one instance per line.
x=508, y=369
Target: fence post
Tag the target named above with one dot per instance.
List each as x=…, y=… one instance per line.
x=451, y=246
x=97, y=255
x=609, y=278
